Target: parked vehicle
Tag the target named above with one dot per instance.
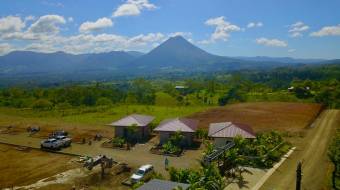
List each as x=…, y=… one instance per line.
x=142, y=174
x=58, y=133
x=66, y=141
x=53, y=144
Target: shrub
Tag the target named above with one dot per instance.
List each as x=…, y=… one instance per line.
x=103, y=101
x=173, y=146
x=177, y=138
x=42, y=104
x=201, y=134
x=118, y=142
x=170, y=148
x=334, y=156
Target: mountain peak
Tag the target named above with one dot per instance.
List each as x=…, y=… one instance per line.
x=178, y=40
x=178, y=45
x=177, y=37
x=175, y=52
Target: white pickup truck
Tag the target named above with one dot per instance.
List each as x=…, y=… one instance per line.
x=66, y=141
x=53, y=144
x=143, y=173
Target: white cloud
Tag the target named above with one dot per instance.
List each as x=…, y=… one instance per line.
x=327, y=31
x=222, y=30
x=70, y=19
x=204, y=42
x=89, y=43
x=271, y=42
x=49, y=3
x=144, y=39
x=40, y=47
x=47, y=24
x=183, y=34
x=95, y=26
x=133, y=8
x=291, y=50
x=5, y=48
x=11, y=24
x=254, y=24
x=44, y=35
x=29, y=18
x=297, y=29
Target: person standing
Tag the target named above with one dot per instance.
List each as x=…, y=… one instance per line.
x=166, y=163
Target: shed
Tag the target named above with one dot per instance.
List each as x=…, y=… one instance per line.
x=168, y=127
x=157, y=184
x=180, y=87
x=141, y=121
x=225, y=132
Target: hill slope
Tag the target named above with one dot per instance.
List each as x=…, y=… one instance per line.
x=27, y=62
x=177, y=54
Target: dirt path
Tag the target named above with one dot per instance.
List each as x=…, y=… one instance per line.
x=312, y=150
x=136, y=157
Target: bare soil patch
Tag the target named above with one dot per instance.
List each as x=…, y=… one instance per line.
x=26, y=167
x=263, y=116
x=112, y=180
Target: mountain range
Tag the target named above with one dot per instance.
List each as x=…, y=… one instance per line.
x=176, y=55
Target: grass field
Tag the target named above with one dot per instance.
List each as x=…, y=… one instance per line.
x=87, y=121
x=291, y=117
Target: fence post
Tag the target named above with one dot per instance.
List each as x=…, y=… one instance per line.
x=298, y=176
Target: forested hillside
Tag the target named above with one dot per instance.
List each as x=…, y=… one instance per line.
x=304, y=84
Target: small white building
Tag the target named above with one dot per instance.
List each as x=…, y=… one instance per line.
x=169, y=127
x=224, y=132
x=141, y=121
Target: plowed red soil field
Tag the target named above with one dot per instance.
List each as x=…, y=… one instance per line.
x=263, y=116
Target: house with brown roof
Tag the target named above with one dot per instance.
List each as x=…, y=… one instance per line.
x=224, y=132
x=142, y=123
x=168, y=127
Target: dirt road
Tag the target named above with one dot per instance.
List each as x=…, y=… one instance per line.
x=312, y=150
x=137, y=156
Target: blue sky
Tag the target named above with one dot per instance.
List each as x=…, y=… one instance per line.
x=294, y=28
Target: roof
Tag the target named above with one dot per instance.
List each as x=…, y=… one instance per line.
x=180, y=87
x=145, y=167
x=157, y=184
x=178, y=124
x=134, y=119
x=231, y=130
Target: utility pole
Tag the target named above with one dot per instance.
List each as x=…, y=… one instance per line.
x=298, y=176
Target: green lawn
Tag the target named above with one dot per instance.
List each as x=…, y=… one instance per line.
x=96, y=115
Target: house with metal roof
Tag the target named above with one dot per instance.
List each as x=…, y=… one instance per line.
x=168, y=127
x=142, y=123
x=157, y=184
x=224, y=132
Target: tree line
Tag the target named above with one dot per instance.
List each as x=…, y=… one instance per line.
x=306, y=84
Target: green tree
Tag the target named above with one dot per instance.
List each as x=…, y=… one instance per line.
x=89, y=98
x=131, y=133
x=103, y=101
x=42, y=104
x=334, y=156
x=234, y=95
x=143, y=90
